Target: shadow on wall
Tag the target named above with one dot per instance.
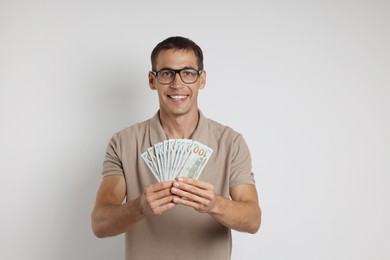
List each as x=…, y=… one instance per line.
x=123, y=96
x=116, y=96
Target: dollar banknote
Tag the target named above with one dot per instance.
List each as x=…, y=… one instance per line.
x=172, y=158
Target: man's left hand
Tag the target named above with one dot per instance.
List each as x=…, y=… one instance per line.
x=194, y=193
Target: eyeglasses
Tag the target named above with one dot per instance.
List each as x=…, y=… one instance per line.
x=167, y=76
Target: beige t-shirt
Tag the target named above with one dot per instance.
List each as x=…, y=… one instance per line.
x=182, y=232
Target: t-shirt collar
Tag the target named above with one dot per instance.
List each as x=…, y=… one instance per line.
x=158, y=135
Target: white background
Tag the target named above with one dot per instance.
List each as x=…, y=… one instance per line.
x=306, y=82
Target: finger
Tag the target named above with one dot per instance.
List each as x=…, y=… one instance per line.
x=200, y=197
x=184, y=189
x=159, y=210
x=158, y=190
x=194, y=182
x=185, y=202
x=156, y=207
x=160, y=194
x=156, y=199
x=164, y=208
x=159, y=186
x=161, y=202
x=195, y=205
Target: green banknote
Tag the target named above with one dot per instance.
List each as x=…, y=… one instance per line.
x=172, y=158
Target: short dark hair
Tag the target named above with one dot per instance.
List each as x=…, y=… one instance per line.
x=178, y=43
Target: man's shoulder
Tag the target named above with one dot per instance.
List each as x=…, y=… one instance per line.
x=136, y=129
x=219, y=129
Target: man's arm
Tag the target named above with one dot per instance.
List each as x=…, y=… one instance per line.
x=111, y=216
x=241, y=213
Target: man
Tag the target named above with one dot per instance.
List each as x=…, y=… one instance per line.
x=185, y=218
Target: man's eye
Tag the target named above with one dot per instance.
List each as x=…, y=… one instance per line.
x=188, y=72
x=166, y=73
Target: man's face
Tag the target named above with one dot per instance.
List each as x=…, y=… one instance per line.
x=177, y=98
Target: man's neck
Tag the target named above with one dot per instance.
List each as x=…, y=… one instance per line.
x=179, y=126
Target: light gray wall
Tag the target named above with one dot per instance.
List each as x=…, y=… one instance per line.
x=306, y=82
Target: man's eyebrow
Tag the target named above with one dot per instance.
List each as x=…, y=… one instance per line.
x=184, y=68
x=189, y=67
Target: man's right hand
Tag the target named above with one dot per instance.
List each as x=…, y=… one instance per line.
x=111, y=216
x=156, y=199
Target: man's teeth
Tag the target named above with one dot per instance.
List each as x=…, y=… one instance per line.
x=178, y=97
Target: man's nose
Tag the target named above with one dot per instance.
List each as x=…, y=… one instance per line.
x=177, y=82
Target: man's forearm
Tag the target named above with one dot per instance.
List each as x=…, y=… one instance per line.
x=112, y=220
x=238, y=215
x=241, y=213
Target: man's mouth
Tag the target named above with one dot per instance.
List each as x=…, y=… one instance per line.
x=177, y=97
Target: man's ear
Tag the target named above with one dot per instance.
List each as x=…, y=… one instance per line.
x=152, y=81
x=202, y=78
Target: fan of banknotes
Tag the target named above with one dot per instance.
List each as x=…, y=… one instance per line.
x=177, y=158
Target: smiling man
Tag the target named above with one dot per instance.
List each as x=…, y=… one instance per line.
x=182, y=217
x=177, y=77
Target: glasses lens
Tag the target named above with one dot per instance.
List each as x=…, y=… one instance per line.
x=189, y=75
x=168, y=76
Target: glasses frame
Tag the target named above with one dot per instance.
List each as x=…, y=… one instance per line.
x=155, y=74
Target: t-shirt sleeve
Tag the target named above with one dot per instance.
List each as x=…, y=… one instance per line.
x=112, y=164
x=241, y=163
